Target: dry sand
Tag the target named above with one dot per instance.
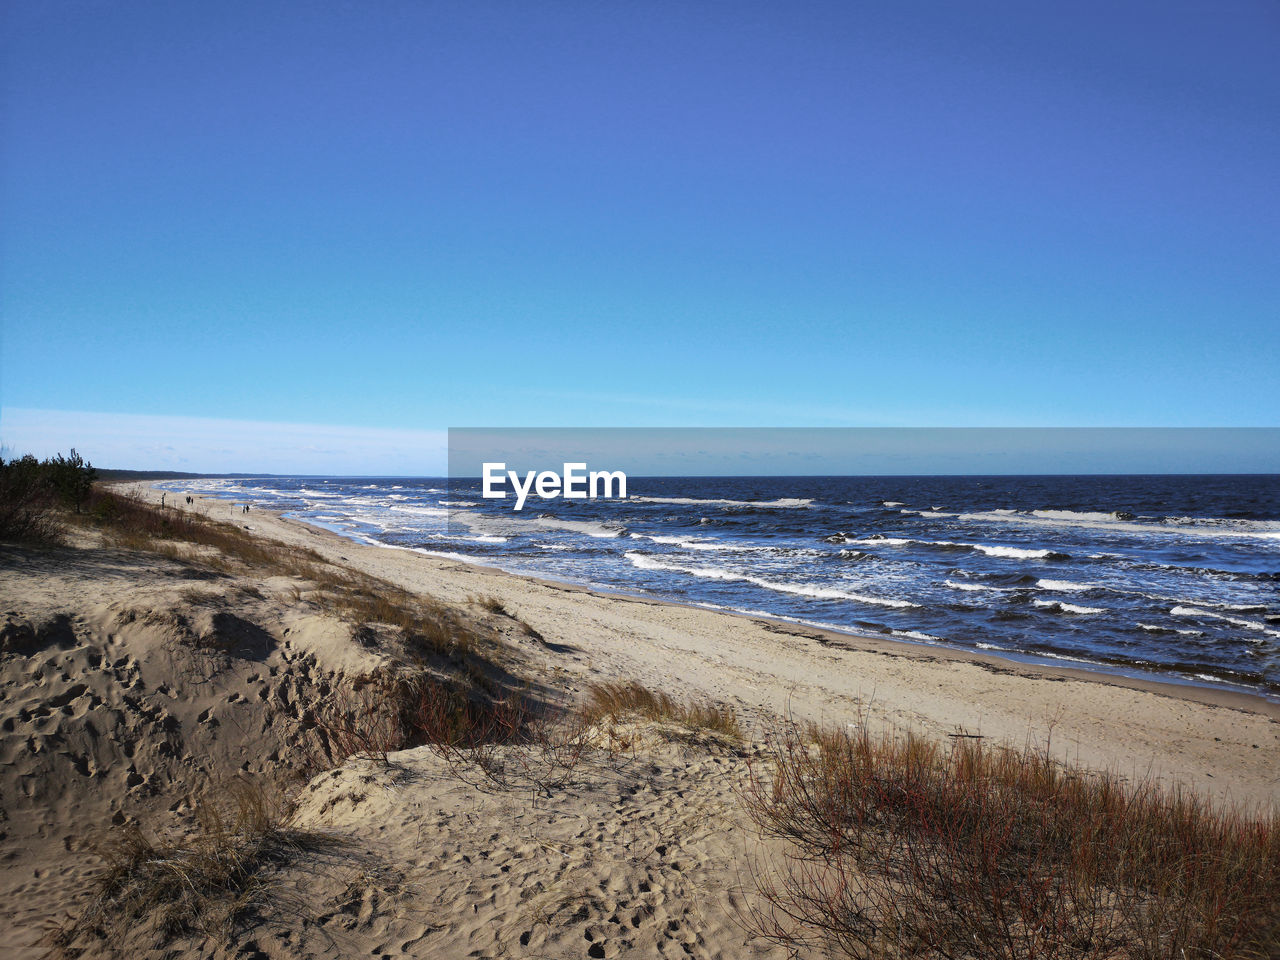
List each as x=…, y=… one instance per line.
x=132, y=681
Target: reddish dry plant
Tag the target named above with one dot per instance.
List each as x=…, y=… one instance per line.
x=357, y=719
x=901, y=848
x=509, y=738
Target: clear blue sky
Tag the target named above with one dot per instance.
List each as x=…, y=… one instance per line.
x=418, y=215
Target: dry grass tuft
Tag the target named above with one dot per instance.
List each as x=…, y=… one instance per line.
x=903, y=848
x=491, y=603
x=429, y=630
x=510, y=739
x=614, y=701
x=199, y=885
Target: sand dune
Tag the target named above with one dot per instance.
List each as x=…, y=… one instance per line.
x=134, y=682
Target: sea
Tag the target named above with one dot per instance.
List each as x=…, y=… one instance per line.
x=1171, y=577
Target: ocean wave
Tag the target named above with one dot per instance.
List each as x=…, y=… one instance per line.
x=1061, y=607
x=1182, y=611
x=1155, y=628
x=1063, y=656
x=785, y=503
x=1020, y=553
x=876, y=540
x=442, y=554
x=1125, y=522
x=701, y=543
x=970, y=587
x=644, y=562
x=458, y=503
x=977, y=587
x=419, y=511
x=589, y=528
x=917, y=635
x=891, y=503
x=1013, y=553
x=1075, y=515
x=1063, y=585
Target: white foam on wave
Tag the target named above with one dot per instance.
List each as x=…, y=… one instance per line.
x=419, y=511
x=692, y=543
x=1063, y=585
x=644, y=562
x=973, y=587
x=712, y=544
x=785, y=503
x=458, y=503
x=1073, y=515
x=1019, y=553
x=1154, y=628
x=587, y=527
x=1170, y=526
x=1062, y=656
x=442, y=554
x=1183, y=611
x=917, y=635
x=1014, y=553
x=891, y=503
x=1067, y=607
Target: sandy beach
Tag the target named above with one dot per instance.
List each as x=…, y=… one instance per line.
x=1221, y=743
x=113, y=715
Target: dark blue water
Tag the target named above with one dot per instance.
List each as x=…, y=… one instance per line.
x=1174, y=575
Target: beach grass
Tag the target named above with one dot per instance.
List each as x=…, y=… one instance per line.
x=621, y=699
x=199, y=884
x=900, y=846
x=427, y=628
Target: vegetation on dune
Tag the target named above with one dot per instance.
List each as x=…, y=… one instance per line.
x=200, y=884
x=620, y=700
x=900, y=847
x=35, y=493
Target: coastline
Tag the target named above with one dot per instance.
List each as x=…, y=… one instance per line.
x=1216, y=742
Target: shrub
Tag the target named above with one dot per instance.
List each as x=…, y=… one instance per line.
x=901, y=848
x=200, y=884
